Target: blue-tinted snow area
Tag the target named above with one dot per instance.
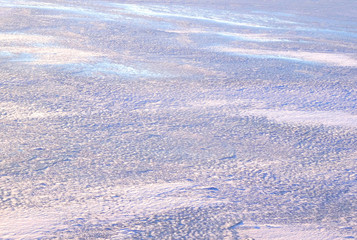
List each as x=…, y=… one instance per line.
x=87, y=70
x=22, y=57
x=176, y=120
x=6, y=54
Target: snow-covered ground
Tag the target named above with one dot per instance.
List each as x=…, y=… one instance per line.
x=178, y=120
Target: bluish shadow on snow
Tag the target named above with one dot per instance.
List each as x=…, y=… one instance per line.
x=5, y=54
x=22, y=57
x=335, y=33
x=277, y=57
x=108, y=68
x=148, y=23
x=282, y=14
x=42, y=45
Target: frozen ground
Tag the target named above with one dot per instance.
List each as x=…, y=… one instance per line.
x=175, y=120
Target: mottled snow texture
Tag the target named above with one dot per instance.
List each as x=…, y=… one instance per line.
x=172, y=119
